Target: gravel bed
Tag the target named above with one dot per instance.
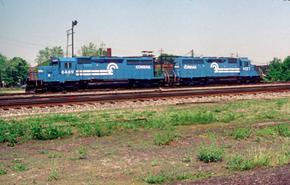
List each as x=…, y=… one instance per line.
x=93, y=106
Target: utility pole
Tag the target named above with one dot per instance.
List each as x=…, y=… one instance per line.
x=68, y=33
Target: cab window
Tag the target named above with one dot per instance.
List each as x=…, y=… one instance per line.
x=68, y=65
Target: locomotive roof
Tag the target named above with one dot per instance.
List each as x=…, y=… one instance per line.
x=99, y=57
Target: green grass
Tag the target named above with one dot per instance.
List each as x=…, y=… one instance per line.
x=82, y=153
x=241, y=133
x=259, y=158
x=163, y=177
x=267, y=131
x=53, y=175
x=48, y=131
x=239, y=163
x=165, y=137
x=104, y=123
x=210, y=153
x=157, y=179
x=190, y=176
x=283, y=130
x=3, y=171
x=18, y=166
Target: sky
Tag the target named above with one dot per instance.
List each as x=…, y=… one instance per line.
x=258, y=29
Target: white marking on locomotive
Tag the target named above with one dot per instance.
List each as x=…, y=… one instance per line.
x=190, y=67
x=99, y=72
x=246, y=68
x=217, y=69
x=143, y=67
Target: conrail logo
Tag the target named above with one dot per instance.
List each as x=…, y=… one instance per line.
x=217, y=69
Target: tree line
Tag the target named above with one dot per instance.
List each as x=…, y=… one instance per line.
x=13, y=71
x=279, y=70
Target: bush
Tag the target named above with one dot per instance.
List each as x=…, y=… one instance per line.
x=165, y=137
x=210, y=153
x=188, y=118
x=268, y=131
x=241, y=133
x=157, y=179
x=87, y=129
x=18, y=166
x=283, y=130
x=48, y=132
x=82, y=153
x=3, y=171
x=239, y=163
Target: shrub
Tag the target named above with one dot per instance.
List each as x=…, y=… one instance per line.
x=48, y=132
x=3, y=171
x=283, y=130
x=189, y=176
x=188, y=118
x=53, y=175
x=239, y=163
x=19, y=166
x=210, y=153
x=241, y=133
x=96, y=129
x=165, y=137
x=82, y=153
x=268, y=131
x=157, y=179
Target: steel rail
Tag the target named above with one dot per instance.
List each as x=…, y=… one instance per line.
x=149, y=94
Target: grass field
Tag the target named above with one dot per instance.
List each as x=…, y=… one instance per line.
x=153, y=145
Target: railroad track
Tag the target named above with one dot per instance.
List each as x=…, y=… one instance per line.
x=57, y=99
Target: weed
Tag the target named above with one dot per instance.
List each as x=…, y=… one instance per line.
x=283, y=130
x=261, y=159
x=48, y=132
x=241, y=133
x=239, y=163
x=157, y=179
x=186, y=159
x=228, y=117
x=190, y=176
x=82, y=153
x=19, y=166
x=43, y=152
x=267, y=131
x=3, y=171
x=54, y=155
x=53, y=175
x=154, y=163
x=210, y=153
x=95, y=130
x=281, y=102
x=165, y=137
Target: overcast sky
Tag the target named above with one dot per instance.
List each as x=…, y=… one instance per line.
x=258, y=29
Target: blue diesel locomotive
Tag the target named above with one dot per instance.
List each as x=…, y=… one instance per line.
x=86, y=72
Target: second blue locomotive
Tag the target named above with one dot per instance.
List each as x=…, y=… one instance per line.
x=85, y=72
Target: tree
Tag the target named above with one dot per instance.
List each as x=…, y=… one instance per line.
x=16, y=71
x=92, y=50
x=278, y=70
x=89, y=50
x=47, y=53
x=3, y=61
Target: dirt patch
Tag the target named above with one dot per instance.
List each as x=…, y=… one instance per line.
x=275, y=176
